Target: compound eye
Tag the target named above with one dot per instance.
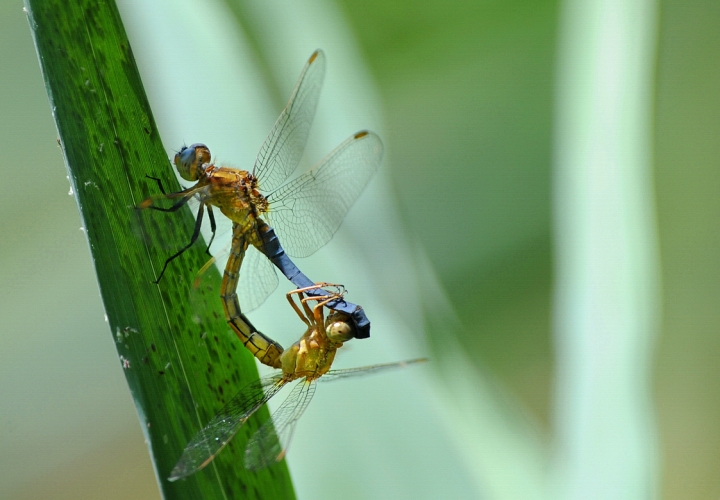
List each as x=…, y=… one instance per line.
x=339, y=331
x=189, y=161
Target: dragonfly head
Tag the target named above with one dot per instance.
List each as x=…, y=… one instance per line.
x=339, y=327
x=190, y=161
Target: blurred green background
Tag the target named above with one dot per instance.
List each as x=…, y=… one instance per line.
x=467, y=90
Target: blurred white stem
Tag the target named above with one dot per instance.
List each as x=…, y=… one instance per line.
x=492, y=432
x=607, y=265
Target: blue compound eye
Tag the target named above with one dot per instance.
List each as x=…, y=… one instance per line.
x=190, y=161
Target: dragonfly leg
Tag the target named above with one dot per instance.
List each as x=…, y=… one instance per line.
x=159, y=183
x=307, y=316
x=185, y=195
x=327, y=298
x=308, y=312
x=213, y=227
x=174, y=208
x=321, y=284
x=193, y=239
x=297, y=310
x=318, y=309
x=318, y=314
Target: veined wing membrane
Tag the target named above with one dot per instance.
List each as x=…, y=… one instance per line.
x=367, y=370
x=270, y=442
x=215, y=435
x=258, y=280
x=308, y=210
x=284, y=146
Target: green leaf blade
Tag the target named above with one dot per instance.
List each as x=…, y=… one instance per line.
x=179, y=371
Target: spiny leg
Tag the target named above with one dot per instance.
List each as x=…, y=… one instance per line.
x=329, y=297
x=318, y=286
x=175, y=207
x=334, y=297
x=308, y=315
x=318, y=314
x=159, y=183
x=185, y=195
x=193, y=239
x=325, y=299
x=305, y=319
x=213, y=228
x=321, y=284
x=318, y=309
x=314, y=318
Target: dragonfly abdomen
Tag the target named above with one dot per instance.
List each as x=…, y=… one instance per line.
x=263, y=348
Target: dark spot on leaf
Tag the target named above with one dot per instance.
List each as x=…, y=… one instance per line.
x=152, y=346
x=161, y=372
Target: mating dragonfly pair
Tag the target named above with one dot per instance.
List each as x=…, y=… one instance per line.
x=307, y=211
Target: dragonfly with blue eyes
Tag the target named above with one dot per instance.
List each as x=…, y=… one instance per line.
x=307, y=210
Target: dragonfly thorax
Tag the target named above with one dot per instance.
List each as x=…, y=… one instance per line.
x=257, y=199
x=313, y=355
x=235, y=193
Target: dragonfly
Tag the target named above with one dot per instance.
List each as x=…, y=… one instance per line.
x=308, y=359
x=307, y=210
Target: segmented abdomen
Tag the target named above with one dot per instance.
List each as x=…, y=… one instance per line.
x=263, y=348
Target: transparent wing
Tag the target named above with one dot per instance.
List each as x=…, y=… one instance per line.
x=258, y=280
x=308, y=210
x=367, y=370
x=217, y=433
x=281, y=151
x=270, y=442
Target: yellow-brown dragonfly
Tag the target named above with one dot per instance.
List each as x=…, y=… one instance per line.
x=309, y=359
x=306, y=210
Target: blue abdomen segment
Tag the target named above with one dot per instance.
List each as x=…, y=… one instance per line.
x=274, y=251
